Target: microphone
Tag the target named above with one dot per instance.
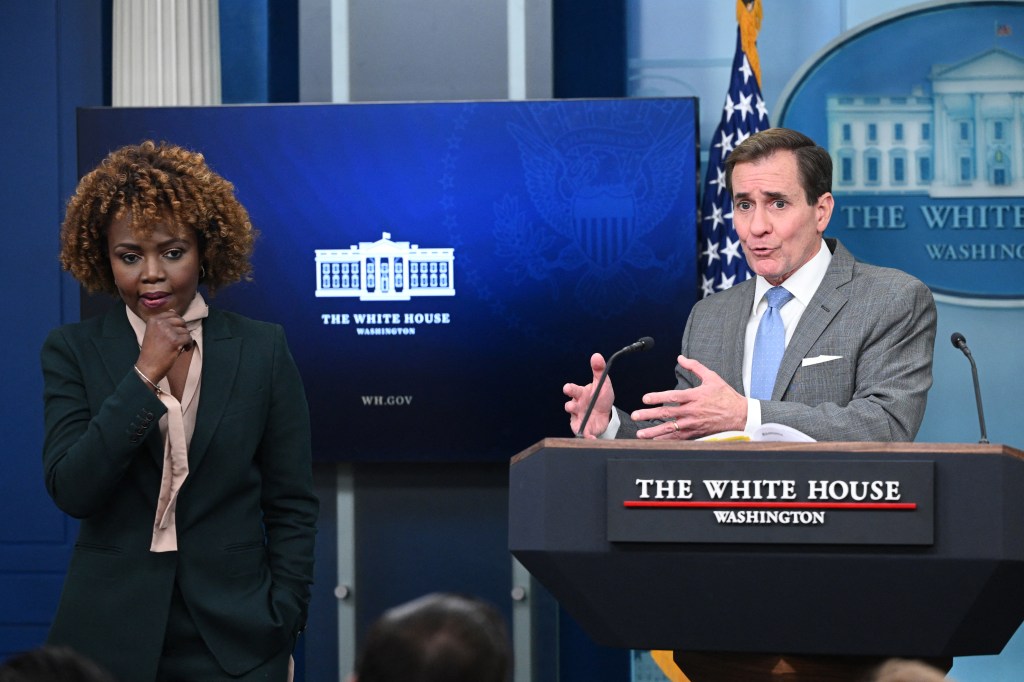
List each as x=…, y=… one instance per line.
x=960, y=342
x=645, y=343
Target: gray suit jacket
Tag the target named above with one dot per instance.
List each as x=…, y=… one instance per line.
x=880, y=321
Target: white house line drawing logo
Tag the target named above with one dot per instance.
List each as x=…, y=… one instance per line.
x=384, y=270
x=964, y=140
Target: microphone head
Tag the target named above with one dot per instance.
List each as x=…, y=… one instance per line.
x=645, y=343
x=958, y=340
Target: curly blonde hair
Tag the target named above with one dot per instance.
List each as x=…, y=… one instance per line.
x=154, y=182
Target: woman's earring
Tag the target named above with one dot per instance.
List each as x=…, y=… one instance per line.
x=202, y=273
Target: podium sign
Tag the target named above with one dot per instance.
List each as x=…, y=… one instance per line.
x=779, y=501
x=867, y=590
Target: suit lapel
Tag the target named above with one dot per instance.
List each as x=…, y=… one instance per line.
x=828, y=300
x=116, y=345
x=221, y=355
x=735, y=329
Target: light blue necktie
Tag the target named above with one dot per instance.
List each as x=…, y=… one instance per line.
x=769, y=345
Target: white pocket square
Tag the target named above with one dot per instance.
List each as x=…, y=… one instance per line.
x=807, y=362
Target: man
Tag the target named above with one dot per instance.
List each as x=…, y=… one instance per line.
x=856, y=358
x=439, y=637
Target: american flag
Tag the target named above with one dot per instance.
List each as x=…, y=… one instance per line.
x=721, y=259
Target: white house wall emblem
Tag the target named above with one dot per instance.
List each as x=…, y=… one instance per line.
x=928, y=160
x=385, y=270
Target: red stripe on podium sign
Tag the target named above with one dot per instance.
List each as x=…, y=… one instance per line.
x=886, y=506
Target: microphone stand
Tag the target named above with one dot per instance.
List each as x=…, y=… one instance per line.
x=643, y=344
x=977, y=395
x=960, y=342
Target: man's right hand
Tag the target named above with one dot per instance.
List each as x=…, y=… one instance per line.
x=580, y=397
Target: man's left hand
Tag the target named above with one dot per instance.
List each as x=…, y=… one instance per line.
x=712, y=407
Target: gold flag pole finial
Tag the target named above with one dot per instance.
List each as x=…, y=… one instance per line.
x=749, y=14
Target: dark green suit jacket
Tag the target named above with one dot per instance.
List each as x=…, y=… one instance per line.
x=246, y=513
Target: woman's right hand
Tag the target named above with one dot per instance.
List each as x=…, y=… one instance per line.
x=165, y=339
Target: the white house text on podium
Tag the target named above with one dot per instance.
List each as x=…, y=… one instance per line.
x=385, y=270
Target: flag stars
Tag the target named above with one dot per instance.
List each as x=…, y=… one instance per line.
x=715, y=217
x=746, y=70
x=729, y=107
x=745, y=106
x=707, y=286
x=725, y=143
x=711, y=253
x=762, y=109
x=731, y=250
x=719, y=180
x=743, y=114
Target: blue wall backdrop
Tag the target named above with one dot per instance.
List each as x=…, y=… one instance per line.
x=53, y=56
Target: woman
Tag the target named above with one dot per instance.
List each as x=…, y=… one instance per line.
x=178, y=434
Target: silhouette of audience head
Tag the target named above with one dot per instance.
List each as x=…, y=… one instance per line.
x=437, y=638
x=52, y=664
x=899, y=670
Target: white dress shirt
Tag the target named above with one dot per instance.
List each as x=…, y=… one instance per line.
x=802, y=284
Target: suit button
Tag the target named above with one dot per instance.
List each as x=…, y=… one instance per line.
x=134, y=439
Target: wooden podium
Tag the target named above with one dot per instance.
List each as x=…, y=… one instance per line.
x=777, y=561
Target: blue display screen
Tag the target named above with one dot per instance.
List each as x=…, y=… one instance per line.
x=442, y=269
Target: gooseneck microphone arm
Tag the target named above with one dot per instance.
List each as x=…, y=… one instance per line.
x=646, y=343
x=960, y=342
